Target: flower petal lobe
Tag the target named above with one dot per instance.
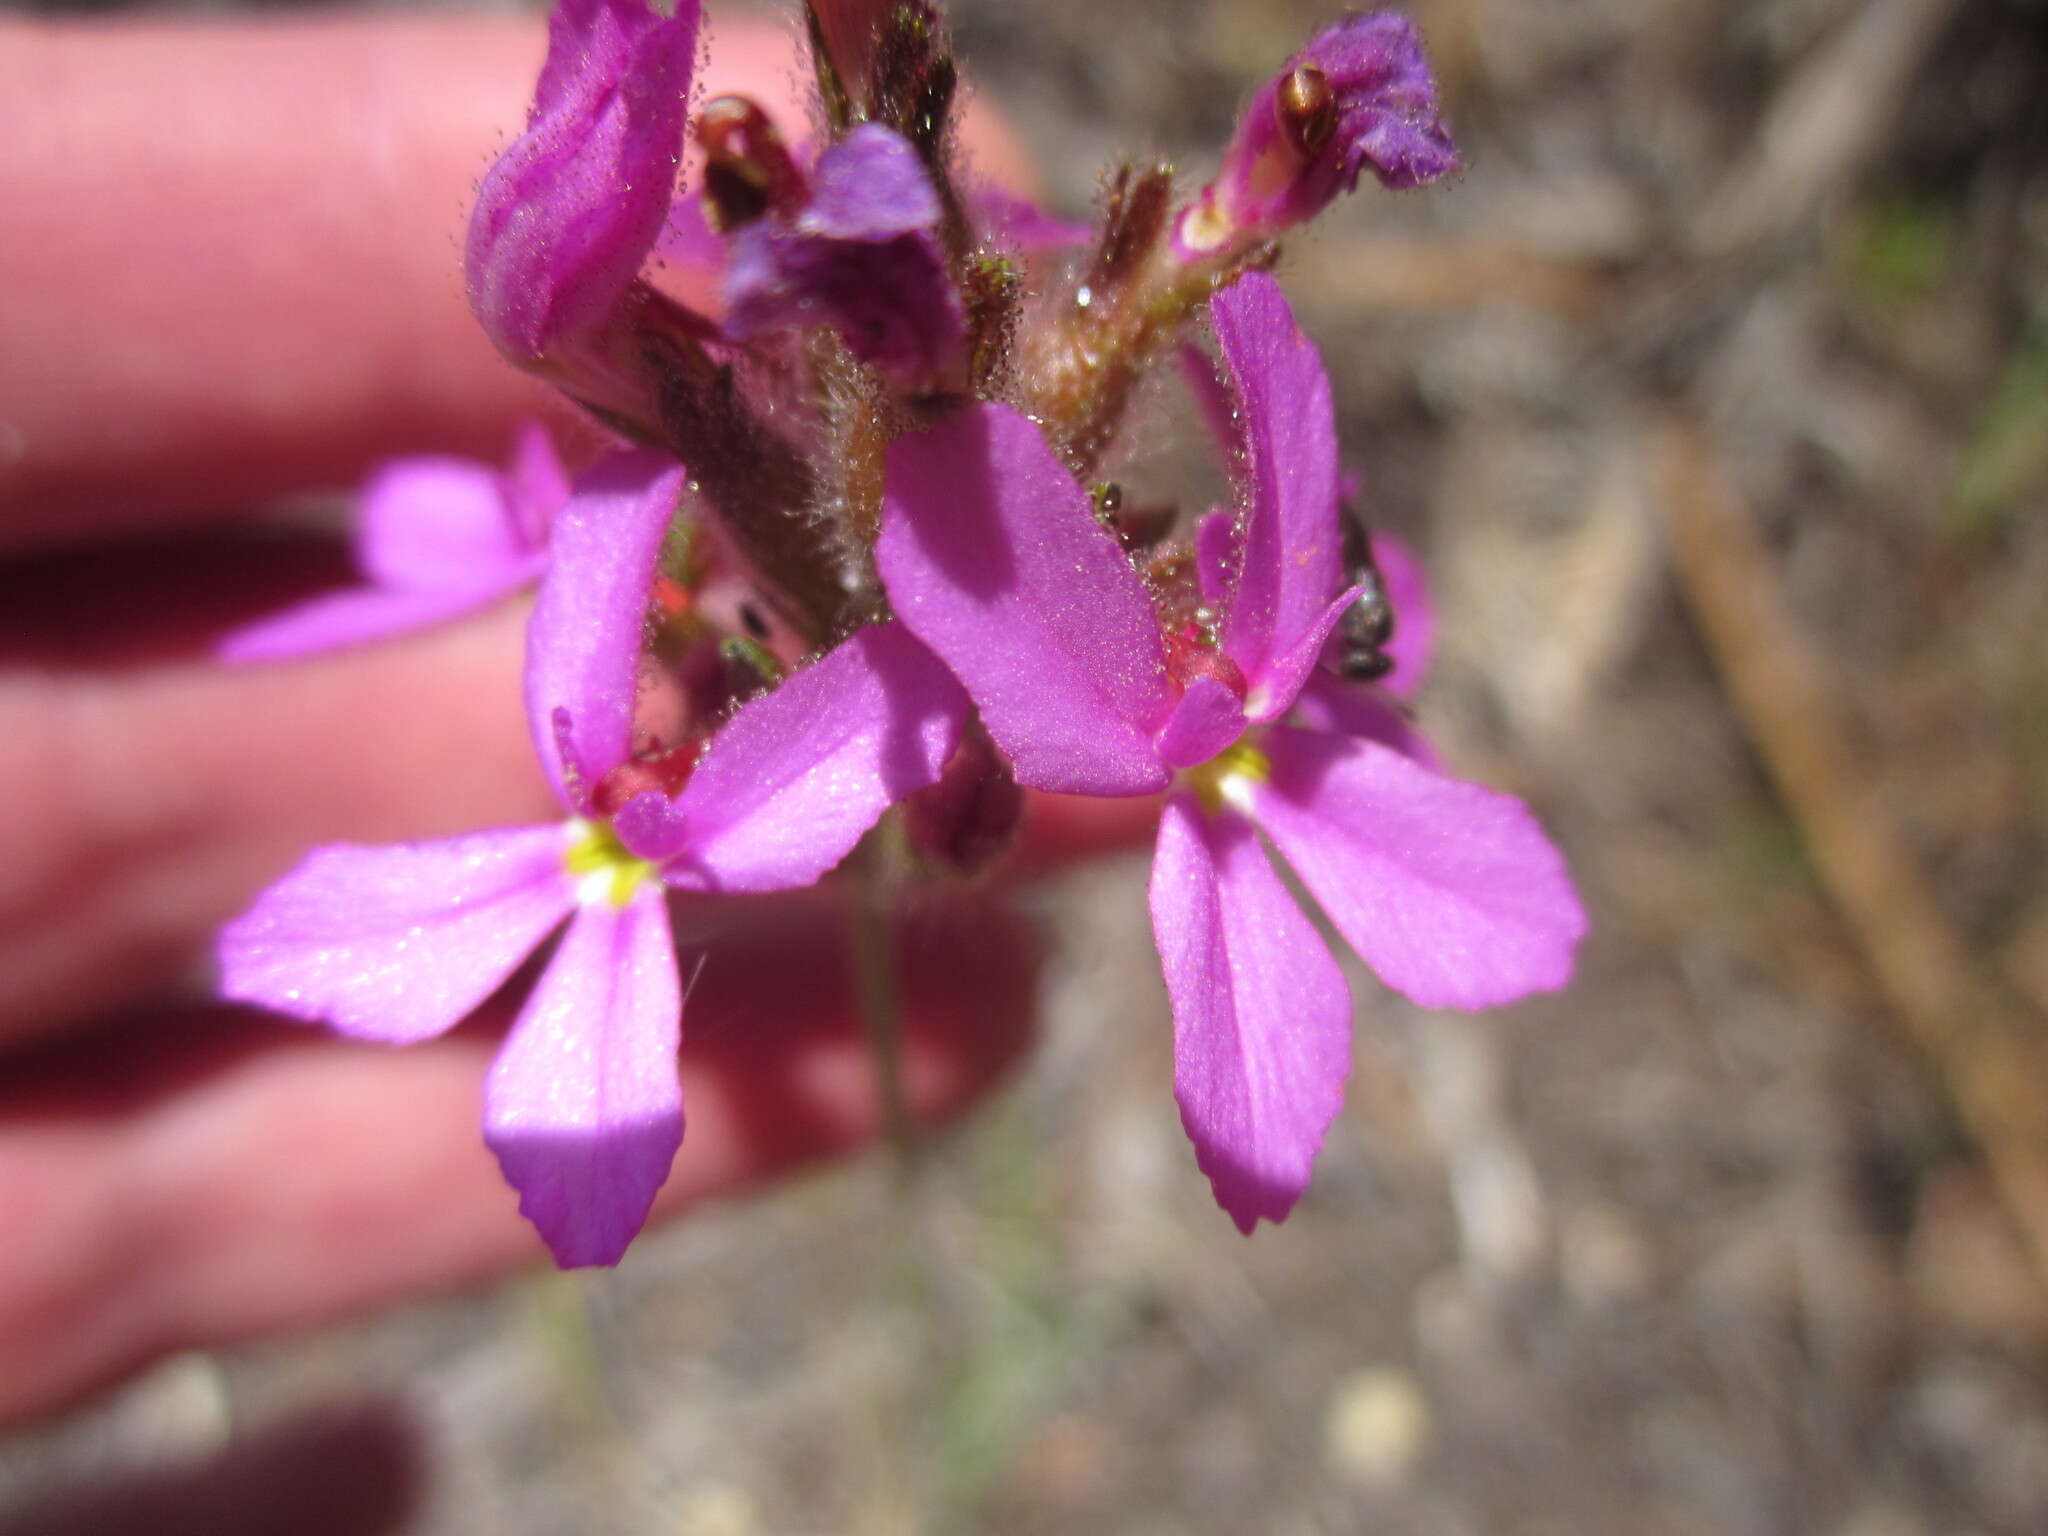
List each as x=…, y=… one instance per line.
x=398, y=943
x=992, y=556
x=1290, y=550
x=1261, y=1014
x=1449, y=891
x=583, y=1107
x=798, y=775
x=583, y=642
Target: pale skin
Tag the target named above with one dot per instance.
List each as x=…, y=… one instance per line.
x=231, y=272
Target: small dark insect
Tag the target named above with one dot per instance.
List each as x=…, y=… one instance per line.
x=1306, y=108
x=1137, y=525
x=1368, y=624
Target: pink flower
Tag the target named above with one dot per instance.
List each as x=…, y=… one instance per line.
x=399, y=944
x=992, y=555
x=436, y=538
x=1358, y=96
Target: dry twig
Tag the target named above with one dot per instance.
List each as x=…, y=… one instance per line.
x=1827, y=120
x=1972, y=1033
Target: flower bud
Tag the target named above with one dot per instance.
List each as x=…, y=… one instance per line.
x=748, y=172
x=566, y=217
x=1359, y=95
x=858, y=256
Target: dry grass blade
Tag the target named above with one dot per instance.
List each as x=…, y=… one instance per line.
x=1826, y=121
x=1395, y=273
x=1972, y=1033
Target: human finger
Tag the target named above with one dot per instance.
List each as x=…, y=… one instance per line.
x=196, y=1180
x=232, y=251
x=152, y=793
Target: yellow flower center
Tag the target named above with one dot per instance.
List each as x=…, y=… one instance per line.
x=1228, y=777
x=601, y=865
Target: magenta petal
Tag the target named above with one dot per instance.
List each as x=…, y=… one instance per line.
x=1328, y=703
x=583, y=642
x=1213, y=399
x=1261, y=1015
x=1216, y=533
x=438, y=538
x=993, y=556
x=1208, y=718
x=566, y=217
x=398, y=943
x=1290, y=554
x=791, y=783
x=536, y=484
x=688, y=242
x=435, y=523
x=1381, y=114
x=1021, y=225
x=356, y=617
x=582, y=1107
x=891, y=301
x=1387, y=113
x=871, y=185
x=1215, y=553
x=1451, y=892
x=1285, y=673
x=861, y=258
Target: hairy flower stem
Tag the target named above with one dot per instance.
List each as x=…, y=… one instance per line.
x=864, y=445
x=1134, y=297
x=1086, y=372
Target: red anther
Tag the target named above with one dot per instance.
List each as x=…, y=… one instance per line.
x=664, y=772
x=1190, y=658
x=672, y=600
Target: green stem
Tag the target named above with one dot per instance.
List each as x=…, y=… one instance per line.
x=559, y=1316
x=878, y=988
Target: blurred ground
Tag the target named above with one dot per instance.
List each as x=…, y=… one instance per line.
x=1702, y=1247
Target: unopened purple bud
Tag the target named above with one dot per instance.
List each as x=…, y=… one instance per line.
x=871, y=185
x=1359, y=96
x=567, y=216
x=860, y=257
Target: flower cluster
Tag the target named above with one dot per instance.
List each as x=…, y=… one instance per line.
x=862, y=547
